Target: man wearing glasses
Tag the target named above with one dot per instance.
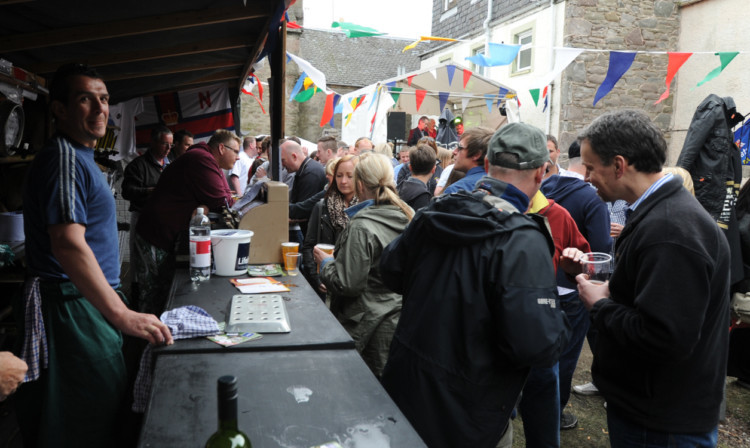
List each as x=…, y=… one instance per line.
x=469, y=156
x=194, y=180
x=142, y=174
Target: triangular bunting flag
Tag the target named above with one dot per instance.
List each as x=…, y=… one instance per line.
x=336, y=106
x=260, y=86
x=339, y=108
x=467, y=76
x=450, y=70
x=408, y=79
x=500, y=54
x=725, y=58
x=619, y=63
x=305, y=95
x=327, y=110
x=395, y=93
x=419, y=95
x=464, y=103
x=488, y=97
x=535, y=96
x=316, y=75
x=443, y=97
x=297, y=86
x=433, y=72
x=675, y=62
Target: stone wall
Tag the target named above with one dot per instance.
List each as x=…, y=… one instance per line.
x=635, y=25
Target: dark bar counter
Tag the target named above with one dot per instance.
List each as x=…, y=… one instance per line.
x=286, y=399
x=312, y=324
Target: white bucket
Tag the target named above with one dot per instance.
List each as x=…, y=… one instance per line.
x=231, y=251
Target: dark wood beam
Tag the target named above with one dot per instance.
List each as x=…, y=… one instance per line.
x=131, y=27
x=105, y=59
x=225, y=75
x=195, y=68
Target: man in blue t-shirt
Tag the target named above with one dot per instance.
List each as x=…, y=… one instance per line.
x=72, y=252
x=469, y=156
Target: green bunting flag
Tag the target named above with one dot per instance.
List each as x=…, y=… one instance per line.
x=305, y=95
x=395, y=93
x=725, y=58
x=353, y=30
x=535, y=96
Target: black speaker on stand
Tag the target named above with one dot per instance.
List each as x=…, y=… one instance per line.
x=396, y=126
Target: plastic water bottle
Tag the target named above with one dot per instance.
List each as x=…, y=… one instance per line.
x=200, y=247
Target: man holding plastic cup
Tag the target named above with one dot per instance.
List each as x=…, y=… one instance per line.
x=661, y=351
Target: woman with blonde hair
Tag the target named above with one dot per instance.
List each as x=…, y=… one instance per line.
x=328, y=218
x=360, y=301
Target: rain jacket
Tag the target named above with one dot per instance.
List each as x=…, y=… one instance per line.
x=480, y=308
x=714, y=163
x=363, y=305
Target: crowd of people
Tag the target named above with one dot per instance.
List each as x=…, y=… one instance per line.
x=457, y=273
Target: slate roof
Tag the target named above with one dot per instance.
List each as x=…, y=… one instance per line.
x=356, y=62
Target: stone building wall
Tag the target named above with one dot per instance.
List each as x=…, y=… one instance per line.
x=635, y=25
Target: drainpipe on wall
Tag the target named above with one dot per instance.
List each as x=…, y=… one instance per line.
x=548, y=118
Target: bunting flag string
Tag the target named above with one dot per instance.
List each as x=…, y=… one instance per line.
x=619, y=63
x=313, y=80
x=673, y=66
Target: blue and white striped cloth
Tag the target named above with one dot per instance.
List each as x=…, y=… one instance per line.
x=34, y=350
x=185, y=322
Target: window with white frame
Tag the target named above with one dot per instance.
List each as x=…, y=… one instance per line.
x=524, y=58
x=478, y=69
x=448, y=4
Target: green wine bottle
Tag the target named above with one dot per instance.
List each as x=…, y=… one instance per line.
x=228, y=435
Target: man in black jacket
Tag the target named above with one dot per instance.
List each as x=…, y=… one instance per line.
x=479, y=300
x=662, y=319
x=309, y=179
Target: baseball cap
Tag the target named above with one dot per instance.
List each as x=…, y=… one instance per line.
x=529, y=143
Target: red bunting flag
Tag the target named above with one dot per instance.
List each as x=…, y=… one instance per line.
x=467, y=76
x=409, y=78
x=675, y=62
x=327, y=110
x=419, y=94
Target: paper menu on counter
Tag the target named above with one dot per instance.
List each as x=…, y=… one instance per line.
x=258, y=285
